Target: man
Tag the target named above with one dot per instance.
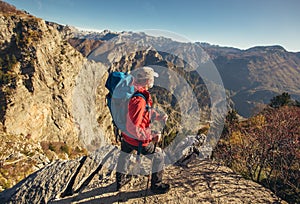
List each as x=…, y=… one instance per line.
x=139, y=136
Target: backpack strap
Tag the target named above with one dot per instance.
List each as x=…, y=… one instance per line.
x=139, y=94
x=144, y=97
x=139, y=150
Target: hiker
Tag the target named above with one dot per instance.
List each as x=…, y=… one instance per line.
x=138, y=135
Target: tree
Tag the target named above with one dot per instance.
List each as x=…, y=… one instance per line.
x=281, y=100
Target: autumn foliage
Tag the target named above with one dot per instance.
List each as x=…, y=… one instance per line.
x=266, y=149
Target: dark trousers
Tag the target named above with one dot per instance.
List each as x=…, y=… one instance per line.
x=157, y=161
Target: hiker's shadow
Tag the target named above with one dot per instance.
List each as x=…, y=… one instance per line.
x=120, y=197
x=107, y=194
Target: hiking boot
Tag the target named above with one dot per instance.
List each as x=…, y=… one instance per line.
x=124, y=180
x=160, y=189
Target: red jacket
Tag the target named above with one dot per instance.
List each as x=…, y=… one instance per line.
x=139, y=119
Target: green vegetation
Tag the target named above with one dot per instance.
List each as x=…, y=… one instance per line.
x=281, y=100
x=23, y=39
x=7, y=75
x=8, y=79
x=66, y=149
x=18, y=152
x=16, y=159
x=11, y=174
x=265, y=148
x=60, y=149
x=63, y=50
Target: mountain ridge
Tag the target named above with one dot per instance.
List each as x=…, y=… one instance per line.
x=100, y=35
x=245, y=73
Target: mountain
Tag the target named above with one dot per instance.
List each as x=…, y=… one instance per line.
x=252, y=76
x=179, y=91
x=256, y=75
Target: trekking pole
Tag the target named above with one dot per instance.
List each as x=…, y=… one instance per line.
x=148, y=180
x=138, y=159
x=163, y=135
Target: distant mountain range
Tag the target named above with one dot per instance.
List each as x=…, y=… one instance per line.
x=252, y=77
x=256, y=75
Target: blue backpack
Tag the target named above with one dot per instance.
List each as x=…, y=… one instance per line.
x=121, y=90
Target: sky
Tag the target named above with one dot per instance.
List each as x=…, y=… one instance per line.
x=233, y=23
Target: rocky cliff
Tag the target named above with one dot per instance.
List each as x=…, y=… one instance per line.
x=39, y=99
x=92, y=180
x=42, y=77
x=48, y=98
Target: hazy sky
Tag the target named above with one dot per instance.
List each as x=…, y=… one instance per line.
x=238, y=23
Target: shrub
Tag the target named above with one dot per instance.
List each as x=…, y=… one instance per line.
x=66, y=149
x=281, y=100
x=52, y=147
x=60, y=147
x=265, y=148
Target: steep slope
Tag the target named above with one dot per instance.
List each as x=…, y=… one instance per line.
x=38, y=92
x=85, y=46
x=43, y=100
x=86, y=180
x=42, y=97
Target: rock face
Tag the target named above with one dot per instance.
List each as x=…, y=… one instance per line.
x=38, y=100
x=40, y=104
x=92, y=179
x=49, y=94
